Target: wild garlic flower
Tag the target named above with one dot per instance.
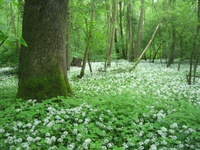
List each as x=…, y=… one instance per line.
x=71, y=146
x=174, y=125
x=109, y=145
x=146, y=141
x=153, y=147
x=48, y=140
x=104, y=147
x=30, y=139
x=163, y=129
x=125, y=145
x=2, y=130
x=47, y=134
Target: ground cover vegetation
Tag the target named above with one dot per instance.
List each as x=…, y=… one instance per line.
x=151, y=107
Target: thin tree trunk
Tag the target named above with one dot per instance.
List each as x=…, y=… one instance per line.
x=89, y=38
x=3, y=41
x=173, y=44
x=111, y=42
x=194, y=51
x=139, y=35
x=121, y=30
x=172, y=50
x=116, y=45
x=130, y=12
x=90, y=66
x=181, y=52
x=196, y=64
x=127, y=34
x=108, y=26
x=154, y=57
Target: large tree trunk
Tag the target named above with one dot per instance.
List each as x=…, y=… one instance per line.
x=42, y=68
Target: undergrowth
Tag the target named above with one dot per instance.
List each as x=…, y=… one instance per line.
x=117, y=111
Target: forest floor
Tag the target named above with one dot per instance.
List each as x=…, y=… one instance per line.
x=150, y=107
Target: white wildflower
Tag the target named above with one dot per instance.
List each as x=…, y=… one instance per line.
x=47, y=134
x=36, y=122
x=191, y=130
x=46, y=120
x=83, y=114
x=18, y=110
x=180, y=145
x=184, y=127
x=171, y=131
x=57, y=117
x=106, y=141
x=30, y=139
x=141, y=133
x=71, y=146
x=25, y=145
x=37, y=138
x=164, y=129
x=53, y=138
x=174, y=125
x=109, y=145
x=163, y=142
x=153, y=147
x=53, y=147
x=173, y=137
x=74, y=131
x=65, y=133
x=50, y=124
x=125, y=145
x=192, y=146
x=146, y=141
x=19, y=140
x=19, y=124
x=28, y=125
x=48, y=141
x=60, y=140
x=2, y=130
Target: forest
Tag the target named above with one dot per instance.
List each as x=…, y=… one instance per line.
x=99, y=74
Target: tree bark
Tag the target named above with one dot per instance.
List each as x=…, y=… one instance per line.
x=42, y=65
x=68, y=26
x=116, y=45
x=130, y=31
x=139, y=35
x=195, y=51
x=172, y=49
x=121, y=29
x=113, y=23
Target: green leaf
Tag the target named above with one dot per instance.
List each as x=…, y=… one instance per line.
x=23, y=42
